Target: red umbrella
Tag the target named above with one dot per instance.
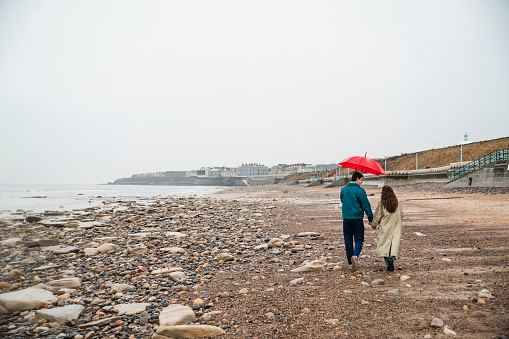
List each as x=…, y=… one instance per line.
x=363, y=164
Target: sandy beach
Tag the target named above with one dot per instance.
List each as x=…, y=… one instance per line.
x=226, y=265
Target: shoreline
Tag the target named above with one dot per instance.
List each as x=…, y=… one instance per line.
x=251, y=294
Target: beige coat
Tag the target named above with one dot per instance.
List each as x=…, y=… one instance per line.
x=389, y=230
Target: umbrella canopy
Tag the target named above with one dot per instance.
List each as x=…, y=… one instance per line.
x=363, y=164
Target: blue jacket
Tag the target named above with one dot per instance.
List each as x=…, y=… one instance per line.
x=355, y=202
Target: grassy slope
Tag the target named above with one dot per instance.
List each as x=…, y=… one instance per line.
x=430, y=158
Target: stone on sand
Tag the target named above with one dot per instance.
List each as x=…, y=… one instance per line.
x=176, y=315
x=64, y=283
x=189, y=331
x=26, y=299
x=107, y=247
x=437, y=322
x=63, y=315
x=315, y=265
x=130, y=309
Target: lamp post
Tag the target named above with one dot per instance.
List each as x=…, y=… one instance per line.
x=385, y=166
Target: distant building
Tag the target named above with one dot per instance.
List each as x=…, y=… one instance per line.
x=287, y=169
x=252, y=169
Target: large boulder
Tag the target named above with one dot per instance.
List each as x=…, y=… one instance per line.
x=27, y=299
x=63, y=315
x=176, y=315
x=189, y=331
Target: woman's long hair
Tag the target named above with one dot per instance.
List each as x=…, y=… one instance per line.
x=389, y=200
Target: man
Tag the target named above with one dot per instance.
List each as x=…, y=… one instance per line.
x=354, y=203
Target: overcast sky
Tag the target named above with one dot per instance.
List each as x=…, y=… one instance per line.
x=91, y=91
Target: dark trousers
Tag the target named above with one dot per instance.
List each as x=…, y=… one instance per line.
x=353, y=229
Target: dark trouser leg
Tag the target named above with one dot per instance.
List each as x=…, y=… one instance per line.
x=348, y=236
x=358, y=233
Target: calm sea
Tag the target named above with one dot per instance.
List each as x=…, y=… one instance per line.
x=40, y=198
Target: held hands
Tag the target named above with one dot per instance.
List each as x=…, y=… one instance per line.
x=372, y=226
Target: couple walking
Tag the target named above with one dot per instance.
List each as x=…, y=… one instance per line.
x=387, y=219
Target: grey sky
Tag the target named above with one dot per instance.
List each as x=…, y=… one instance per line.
x=91, y=91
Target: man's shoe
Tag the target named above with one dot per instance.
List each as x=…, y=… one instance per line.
x=354, y=264
x=390, y=263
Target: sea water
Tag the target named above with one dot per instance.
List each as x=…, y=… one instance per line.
x=40, y=198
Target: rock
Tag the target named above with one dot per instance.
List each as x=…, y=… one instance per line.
x=99, y=323
x=11, y=242
x=393, y=291
x=485, y=294
x=33, y=218
x=134, y=219
x=43, y=243
x=120, y=287
x=130, y=309
x=270, y=316
x=189, y=331
x=173, y=250
x=244, y=291
x=479, y=314
x=92, y=244
x=4, y=284
x=41, y=329
x=306, y=310
x=176, y=315
x=307, y=234
x=448, y=331
x=261, y=247
x=315, y=265
x=64, y=283
x=274, y=240
x=63, y=315
x=481, y=302
x=166, y=270
x=199, y=302
x=175, y=235
x=333, y=322
x=437, y=322
x=446, y=259
x=223, y=257
x=177, y=276
x=107, y=248
x=377, y=282
x=15, y=274
x=144, y=318
x=419, y=234
x=404, y=277
x=297, y=281
x=26, y=299
x=138, y=249
x=364, y=302
x=67, y=250
x=465, y=308
x=91, y=251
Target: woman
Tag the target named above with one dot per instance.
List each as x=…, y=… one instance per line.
x=387, y=218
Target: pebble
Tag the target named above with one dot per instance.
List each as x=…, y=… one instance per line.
x=437, y=322
x=377, y=282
